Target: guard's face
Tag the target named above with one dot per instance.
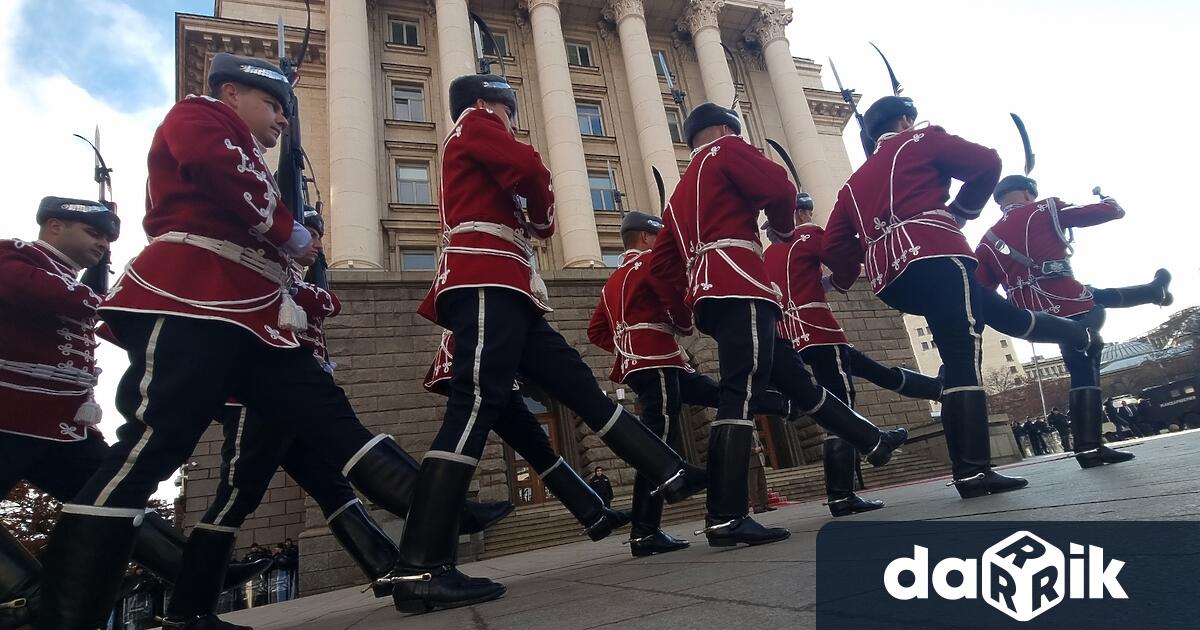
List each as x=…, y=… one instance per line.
x=311, y=257
x=262, y=113
x=81, y=242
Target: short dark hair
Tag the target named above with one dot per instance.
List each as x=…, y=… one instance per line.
x=629, y=238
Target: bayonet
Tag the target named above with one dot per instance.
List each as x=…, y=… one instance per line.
x=676, y=93
x=848, y=96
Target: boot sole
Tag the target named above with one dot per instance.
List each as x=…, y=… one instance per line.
x=1096, y=463
x=421, y=606
x=642, y=553
x=841, y=513
x=983, y=491
x=733, y=542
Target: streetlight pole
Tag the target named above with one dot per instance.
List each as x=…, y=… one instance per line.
x=1037, y=374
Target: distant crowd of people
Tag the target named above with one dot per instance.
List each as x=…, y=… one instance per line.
x=1052, y=433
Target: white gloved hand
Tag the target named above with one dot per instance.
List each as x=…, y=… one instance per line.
x=300, y=243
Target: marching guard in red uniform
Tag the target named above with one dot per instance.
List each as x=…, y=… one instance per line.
x=893, y=214
x=708, y=258
x=205, y=313
x=809, y=324
x=48, y=433
x=630, y=322
x=487, y=292
x=1028, y=252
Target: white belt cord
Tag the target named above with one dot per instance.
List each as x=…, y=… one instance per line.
x=537, y=286
x=696, y=262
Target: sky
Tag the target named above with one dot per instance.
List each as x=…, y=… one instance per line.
x=1103, y=87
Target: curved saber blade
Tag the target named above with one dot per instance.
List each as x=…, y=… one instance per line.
x=896, y=87
x=787, y=160
x=1029, y=156
x=103, y=174
x=662, y=189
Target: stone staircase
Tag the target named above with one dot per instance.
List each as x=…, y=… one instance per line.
x=549, y=524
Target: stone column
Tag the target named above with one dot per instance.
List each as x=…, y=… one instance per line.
x=701, y=19
x=456, y=46
x=355, y=230
x=649, y=112
x=575, y=217
x=798, y=124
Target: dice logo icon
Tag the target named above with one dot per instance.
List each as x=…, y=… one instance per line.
x=1023, y=576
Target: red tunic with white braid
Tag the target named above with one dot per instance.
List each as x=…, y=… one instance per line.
x=893, y=209
x=47, y=343
x=709, y=245
x=209, y=182
x=631, y=322
x=318, y=304
x=486, y=236
x=1031, y=229
x=795, y=267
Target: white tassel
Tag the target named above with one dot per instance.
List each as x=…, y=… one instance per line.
x=537, y=286
x=291, y=316
x=89, y=413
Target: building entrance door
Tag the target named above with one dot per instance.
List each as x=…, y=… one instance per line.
x=527, y=487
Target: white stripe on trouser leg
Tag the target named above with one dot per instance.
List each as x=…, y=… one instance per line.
x=361, y=452
x=107, y=512
x=612, y=422
x=549, y=470
x=144, y=392
x=224, y=529
x=753, y=359
x=837, y=357
x=338, y=512
x=977, y=345
x=233, y=461
x=462, y=442
x=662, y=382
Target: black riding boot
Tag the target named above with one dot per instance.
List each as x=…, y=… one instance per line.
x=727, y=519
x=1081, y=332
x=386, y=474
x=646, y=538
x=917, y=385
x=1086, y=418
x=83, y=565
x=159, y=549
x=1157, y=292
x=964, y=420
x=839, y=462
x=582, y=502
x=19, y=592
x=629, y=439
x=839, y=419
x=194, y=599
x=370, y=547
x=425, y=578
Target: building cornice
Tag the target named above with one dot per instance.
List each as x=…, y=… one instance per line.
x=198, y=38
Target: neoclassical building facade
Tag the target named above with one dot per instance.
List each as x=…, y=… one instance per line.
x=603, y=88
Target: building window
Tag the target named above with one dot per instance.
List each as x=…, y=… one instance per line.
x=675, y=125
x=924, y=345
x=412, y=184
x=417, y=259
x=590, y=122
x=603, y=199
x=1004, y=344
x=611, y=259
x=1012, y=369
x=405, y=32
x=501, y=44
x=579, y=54
x=408, y=103
x=1008, y=357
x=920, y=332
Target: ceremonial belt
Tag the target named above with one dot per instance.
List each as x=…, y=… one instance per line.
x=893, y=226
x=53, y=373
x=1060, y=268
x=291, y=317
x=729, y=243
x=625, y=348
x=537, y=286
x=792, y=315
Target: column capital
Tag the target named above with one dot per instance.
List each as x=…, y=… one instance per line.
x=618, y=10
x=531, y=5
x=769, y=25
x=701, y=14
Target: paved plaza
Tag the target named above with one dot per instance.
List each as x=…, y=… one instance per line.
x=598, y=585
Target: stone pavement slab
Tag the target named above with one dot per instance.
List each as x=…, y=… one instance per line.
x=586, y=586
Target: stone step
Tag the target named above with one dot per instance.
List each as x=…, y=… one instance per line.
x=550, y=524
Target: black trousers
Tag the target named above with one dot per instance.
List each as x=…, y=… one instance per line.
x=181, y=372
x=59, y=469
x=944, y=291
x=744, y=330
x=254, y=448
x=832, y=366
x=497, y=333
